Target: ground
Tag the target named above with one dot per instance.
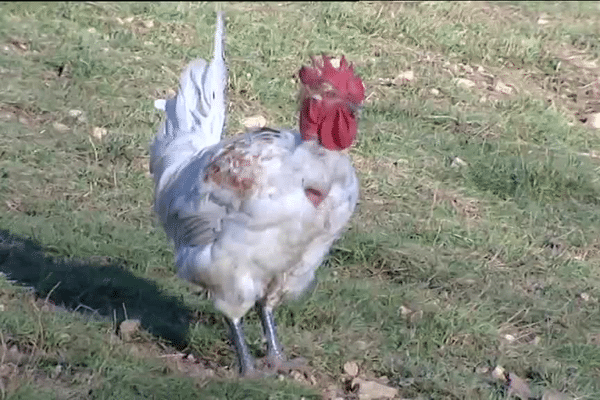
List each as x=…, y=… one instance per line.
x=470, y=270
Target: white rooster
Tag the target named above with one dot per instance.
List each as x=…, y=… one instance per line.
x=252, y=217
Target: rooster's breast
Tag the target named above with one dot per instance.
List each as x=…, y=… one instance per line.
x=285, y=202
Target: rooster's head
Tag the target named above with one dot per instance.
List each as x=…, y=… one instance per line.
x=329, y=102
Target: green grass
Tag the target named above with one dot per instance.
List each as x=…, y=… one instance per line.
x=479, y=214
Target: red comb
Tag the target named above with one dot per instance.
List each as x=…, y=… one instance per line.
x=329, y=102
x=348, y=86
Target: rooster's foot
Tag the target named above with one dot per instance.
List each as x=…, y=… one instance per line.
x=282, y=366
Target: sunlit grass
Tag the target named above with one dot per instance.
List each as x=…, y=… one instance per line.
x=478, y=216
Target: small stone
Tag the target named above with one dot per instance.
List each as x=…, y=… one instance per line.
x=370, y=390
x=98, y=132
x=509, y=338
x=482, y=370
x=467, y=68
x=20, y=45
x=404, y=78
x=499, y=373
x=148, y=24
x=458, y=162
x=584, y=296
x=434, y=92
x=255, y=122
x=60, y=127
x=405, y=311
x=78, y=114
x=351, y=368
x=594, y=120
x=128, y=328
x=6, y=115
x=297, y=376
x=465, y=83
x=503, y=88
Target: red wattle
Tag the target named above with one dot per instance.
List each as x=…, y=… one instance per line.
x=309, y=119
x=337, y=130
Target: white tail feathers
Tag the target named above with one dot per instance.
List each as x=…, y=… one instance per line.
x=219, y=51
x=199, y=107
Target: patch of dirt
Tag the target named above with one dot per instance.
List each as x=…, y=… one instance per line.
x=141, y=164
x=15, y=204
x=573, y=87
x=203, y=371
x=18, y=367
x=515, y=333
x=573, y=90
x=468, y=208
x=16, y=45
x=396, y=171
x=587, y=253
x=29, y=118
x=374, y=206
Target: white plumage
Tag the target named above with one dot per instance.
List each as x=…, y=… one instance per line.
x=251, y=217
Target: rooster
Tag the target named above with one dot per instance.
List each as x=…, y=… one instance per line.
x=252, y=217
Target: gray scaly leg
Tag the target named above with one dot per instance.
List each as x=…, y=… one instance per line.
x=245, y=360
x=275, y=356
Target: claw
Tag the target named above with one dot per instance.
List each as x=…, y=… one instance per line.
x=287, y=366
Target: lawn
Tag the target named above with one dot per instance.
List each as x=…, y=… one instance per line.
x=471, y=269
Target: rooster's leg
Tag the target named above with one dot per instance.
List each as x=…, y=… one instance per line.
x=276, y=359
x=246, y=361
x=275, y=355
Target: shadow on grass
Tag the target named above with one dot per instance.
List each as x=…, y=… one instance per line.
x=94, y=287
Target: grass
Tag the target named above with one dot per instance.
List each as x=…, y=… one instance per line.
x=476, y=240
